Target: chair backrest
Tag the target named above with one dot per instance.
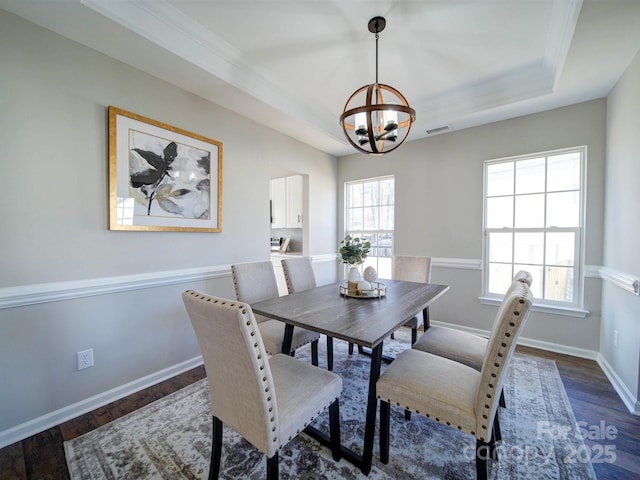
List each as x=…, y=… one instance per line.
x=510, y=320
x=254, y=281
x=411, y=269
x=523, y=276
x=241, y=388
x=298, y=273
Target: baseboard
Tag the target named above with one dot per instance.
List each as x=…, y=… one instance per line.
x=630, y=400
x=39, y=424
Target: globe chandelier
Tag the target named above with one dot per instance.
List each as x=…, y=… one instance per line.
x=377, y=118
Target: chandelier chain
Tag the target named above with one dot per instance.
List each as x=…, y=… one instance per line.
x=377, y=36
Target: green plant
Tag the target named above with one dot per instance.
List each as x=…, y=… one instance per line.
x=354, y=250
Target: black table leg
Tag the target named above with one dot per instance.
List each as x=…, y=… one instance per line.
x=372, y=406
x=364, y=461
x=288, y=338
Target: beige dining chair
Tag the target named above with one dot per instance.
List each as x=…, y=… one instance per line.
x=298, y=273
x=460, y=346
x=267, y=400
x=452, y=393
x=463, y=347
x=256, y=281
x=413, y=269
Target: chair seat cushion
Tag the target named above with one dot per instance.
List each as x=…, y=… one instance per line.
x=462, y=347
x=272, y=332
x=303, y=392
x=408, y=383
x=415, y=322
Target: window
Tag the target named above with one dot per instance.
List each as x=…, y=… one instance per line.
x=533, y=211
x=370, y=215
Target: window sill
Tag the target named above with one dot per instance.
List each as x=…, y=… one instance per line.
x=553, y=309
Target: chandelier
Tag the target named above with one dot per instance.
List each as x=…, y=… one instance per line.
x=377, y=118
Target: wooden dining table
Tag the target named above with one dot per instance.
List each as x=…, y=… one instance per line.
x=366, y=322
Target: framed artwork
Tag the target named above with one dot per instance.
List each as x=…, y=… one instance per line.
x=162, y=178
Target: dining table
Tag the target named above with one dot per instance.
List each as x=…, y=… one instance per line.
x=365, y=321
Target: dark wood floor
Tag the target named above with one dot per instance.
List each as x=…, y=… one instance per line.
x=591, y=395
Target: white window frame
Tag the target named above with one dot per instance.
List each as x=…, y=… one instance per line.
x=369, y=261
x=575, y=308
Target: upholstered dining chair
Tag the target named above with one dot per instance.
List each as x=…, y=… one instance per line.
x=256, y=281
x=298, y=273
x=452, y=393
x=413, y=269
x=267, y=400
x=460, y=346
x=463, y=347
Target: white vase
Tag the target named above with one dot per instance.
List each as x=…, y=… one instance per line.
x=353, y=277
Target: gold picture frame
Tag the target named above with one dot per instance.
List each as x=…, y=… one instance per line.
x=162, y=178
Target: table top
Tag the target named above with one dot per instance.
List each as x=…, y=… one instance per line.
x=363, y=321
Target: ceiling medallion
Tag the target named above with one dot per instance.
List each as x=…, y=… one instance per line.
x=377, y=118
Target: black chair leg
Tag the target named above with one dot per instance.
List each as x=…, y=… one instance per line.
x=385, y=415
x=329, y=353
x=314, y=353
x=414, y=335
x=496, y=437
x=482, y=454
x=216, y=449
x=407, y=415
x=503, y=402
x=334, y=429
x=350, y=348
x=393, y=336
x=272, y=467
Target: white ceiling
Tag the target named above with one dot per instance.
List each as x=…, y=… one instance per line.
x=292, y=64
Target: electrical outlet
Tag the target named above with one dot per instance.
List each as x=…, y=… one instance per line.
x=615, y=338
x=85, y=359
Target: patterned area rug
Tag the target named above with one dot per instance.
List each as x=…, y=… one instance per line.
x=171, y=438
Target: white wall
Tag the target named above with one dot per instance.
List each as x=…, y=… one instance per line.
x=68, y=283
x=621, y=309
x=439, y=211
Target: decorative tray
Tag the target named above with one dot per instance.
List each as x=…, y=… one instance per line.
x=377, y=290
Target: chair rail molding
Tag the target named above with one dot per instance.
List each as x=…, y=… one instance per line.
x=34, y=294
x=623, y=280
x=56, y=291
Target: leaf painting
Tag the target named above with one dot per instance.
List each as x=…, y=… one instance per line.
x=169, y=179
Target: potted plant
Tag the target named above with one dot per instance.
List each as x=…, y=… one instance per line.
x=353, y=251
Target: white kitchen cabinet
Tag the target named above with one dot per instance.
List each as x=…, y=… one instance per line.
x=279, y=203
x=286, y=202
x=294, y=201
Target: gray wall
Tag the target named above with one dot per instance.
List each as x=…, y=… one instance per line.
x=621, y=309
x=67, y=282
x=439, y=185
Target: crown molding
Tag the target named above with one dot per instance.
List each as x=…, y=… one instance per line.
x=166, y=26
